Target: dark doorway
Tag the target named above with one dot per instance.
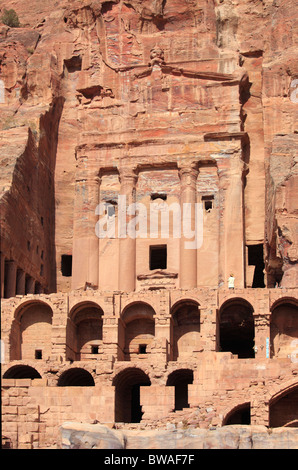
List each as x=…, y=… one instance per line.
x=136, y=408
x=66, y=265
x=256, y=258
x=158, y=257
x=128, y=408
x=180, y=379
x=236, y=328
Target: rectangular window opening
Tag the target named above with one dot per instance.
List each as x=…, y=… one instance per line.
x=256, y=258
x=94, y=349
x=38, y=354
x=158, y=257
x=66, y=265
x=143, y=349
x=208, y=202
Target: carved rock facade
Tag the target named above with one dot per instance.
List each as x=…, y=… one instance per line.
x=126, y=115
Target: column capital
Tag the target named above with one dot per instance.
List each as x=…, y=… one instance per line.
x=188, y=171
x=127, y=174
x=94, y=179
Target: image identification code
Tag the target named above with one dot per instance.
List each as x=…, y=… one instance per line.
x=151, y=459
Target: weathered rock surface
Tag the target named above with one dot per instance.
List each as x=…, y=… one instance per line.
x=97, y=436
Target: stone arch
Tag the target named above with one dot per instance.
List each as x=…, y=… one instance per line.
x=283, y=407
x=239, y=414
x=282, y=300
x=185, y=328
x=25, y=303
x=236, y=327
x=284, y=327
x=31, y=331
x=189, y=298
x=75, y=377
x=136, y=330
x=127, y=383
x=21, y=371
x=180, y=379
x=84, y=331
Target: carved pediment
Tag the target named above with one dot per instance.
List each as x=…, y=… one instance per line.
x=157, y=274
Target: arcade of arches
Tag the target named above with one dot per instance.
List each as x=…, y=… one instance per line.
x=153, y=358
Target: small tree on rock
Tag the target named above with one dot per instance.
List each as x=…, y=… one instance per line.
x=10, y=18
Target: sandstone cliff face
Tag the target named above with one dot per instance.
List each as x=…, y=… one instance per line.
x=60, y=73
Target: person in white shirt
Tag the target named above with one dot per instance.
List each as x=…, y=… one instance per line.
x=231, y=282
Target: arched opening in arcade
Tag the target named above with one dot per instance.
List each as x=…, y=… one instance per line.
x=128, y=406
x=84, y=332
x=31, y=332
x=136, y=331
x=283, y=409
x=180, y=379
x=236, y=328
x=284, y=329
x=238, y=415
x=185, y=329
x=76, y=377
x=21, y=371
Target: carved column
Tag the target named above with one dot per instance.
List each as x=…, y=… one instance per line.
x=188, y=174
x=85, y=241
x=93, y=265
x=231, y=243
x=127, y=239
x=30, y=285
x=21, y=282
x=11, y=279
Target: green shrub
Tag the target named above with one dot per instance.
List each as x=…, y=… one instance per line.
x=10, y=18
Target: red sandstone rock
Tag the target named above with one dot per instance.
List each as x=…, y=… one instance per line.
x=195, y=102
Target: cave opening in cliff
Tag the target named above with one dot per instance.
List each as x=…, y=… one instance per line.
x=180, y=379
x=236, y=328
x=128, y=407
x=74, y=64
x=256, y=258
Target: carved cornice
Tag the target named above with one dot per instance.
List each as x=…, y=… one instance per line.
x=213, y=136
